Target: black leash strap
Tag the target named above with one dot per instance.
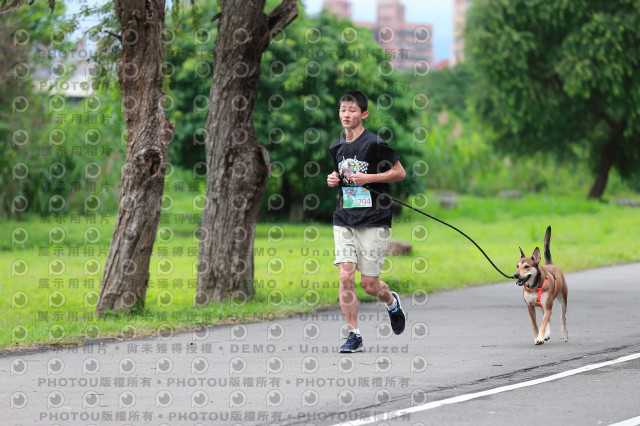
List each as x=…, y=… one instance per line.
x=444, y=223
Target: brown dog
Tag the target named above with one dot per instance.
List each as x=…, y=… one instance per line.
x=542, y=285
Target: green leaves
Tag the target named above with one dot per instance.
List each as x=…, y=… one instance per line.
x=557, y=74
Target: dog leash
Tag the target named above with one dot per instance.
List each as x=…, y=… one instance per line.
x=444, y=223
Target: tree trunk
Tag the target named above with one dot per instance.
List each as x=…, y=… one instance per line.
x=126, y=273
x=238, y=165
x=606, y=161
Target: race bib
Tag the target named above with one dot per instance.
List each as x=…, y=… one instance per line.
x=355, y=196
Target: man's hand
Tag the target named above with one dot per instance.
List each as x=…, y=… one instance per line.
x=333, y=179
x=396, y=174
x=360, y=179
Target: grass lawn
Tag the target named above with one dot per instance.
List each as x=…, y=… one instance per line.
x=51, y=269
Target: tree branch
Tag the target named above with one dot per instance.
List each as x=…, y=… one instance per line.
x=599, y=114
x=7, y=6
x=119, y=37
x=280, y=17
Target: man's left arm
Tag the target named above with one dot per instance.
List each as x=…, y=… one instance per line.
x=395, y=174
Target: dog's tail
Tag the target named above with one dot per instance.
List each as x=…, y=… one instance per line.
x=547, y=247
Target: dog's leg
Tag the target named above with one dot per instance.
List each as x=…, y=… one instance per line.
x=547, y=333
x=562, y=298
x=543, y=327
x=532, y=315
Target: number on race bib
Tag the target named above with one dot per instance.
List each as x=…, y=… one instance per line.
x=355, y=196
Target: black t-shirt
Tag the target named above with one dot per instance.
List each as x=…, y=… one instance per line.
x=367, y=154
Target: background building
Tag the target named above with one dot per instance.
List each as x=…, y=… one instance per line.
x=408, y=44
x=460, y=8
x=341, y=8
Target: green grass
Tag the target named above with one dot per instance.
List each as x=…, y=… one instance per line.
x=293, y=265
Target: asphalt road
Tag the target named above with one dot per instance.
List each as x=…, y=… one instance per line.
x=456, y=345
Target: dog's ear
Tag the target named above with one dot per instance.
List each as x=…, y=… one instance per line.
x=536, y=255
x=522, y=256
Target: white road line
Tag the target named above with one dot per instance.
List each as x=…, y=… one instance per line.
x=462, y=398
x=631, y=422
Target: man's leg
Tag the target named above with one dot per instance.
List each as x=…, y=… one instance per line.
x=375, y=287
x=347, y=294
x=380, y=289
x=372, y=247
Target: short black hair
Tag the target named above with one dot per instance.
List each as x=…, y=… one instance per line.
x=355, y=96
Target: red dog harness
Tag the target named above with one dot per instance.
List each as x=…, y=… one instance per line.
x=539, y=290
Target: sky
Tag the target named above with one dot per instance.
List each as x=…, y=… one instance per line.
x=438, y=13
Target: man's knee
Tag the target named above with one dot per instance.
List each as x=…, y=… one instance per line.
x=347, y=275
x=370, y=285
x=347, y=282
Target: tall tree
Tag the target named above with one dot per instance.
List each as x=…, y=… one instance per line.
x=561, y=77
x=238, y=165
x=126, y=273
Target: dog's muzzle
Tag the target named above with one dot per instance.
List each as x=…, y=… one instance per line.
x=521, y=281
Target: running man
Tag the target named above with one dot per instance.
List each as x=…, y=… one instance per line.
x=362, y=218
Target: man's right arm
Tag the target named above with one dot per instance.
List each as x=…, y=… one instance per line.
x=333, y=179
